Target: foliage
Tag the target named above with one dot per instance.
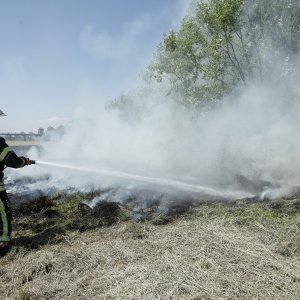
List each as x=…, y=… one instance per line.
x=225, y=45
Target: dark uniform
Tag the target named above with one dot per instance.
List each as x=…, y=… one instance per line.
x=8, y=158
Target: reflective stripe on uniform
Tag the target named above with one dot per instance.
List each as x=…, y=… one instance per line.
x=2, y=187
x=4, y=152
x=5, y=234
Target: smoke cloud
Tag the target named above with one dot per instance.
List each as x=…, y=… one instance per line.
x=246, y=146
x=251, y=137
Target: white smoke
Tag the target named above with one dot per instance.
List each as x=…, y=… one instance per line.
x=252, y=136
x=248, y=143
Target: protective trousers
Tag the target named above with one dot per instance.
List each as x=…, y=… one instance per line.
x=5, y=218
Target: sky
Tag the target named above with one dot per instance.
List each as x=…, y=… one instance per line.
x=58, y=55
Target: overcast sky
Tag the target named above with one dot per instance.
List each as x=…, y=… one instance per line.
x=58, y=54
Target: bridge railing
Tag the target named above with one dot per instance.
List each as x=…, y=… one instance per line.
x=21, y=136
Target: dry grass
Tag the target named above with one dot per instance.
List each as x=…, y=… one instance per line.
x=215, y=251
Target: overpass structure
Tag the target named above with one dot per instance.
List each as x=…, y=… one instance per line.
x=20, y=136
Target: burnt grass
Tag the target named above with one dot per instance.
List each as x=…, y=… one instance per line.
x=44, y=220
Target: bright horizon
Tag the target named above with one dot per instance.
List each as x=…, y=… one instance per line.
x=58, y=56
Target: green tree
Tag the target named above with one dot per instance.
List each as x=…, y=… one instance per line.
x=225, y=45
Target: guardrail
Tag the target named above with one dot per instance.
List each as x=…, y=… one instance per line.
x=20, y=136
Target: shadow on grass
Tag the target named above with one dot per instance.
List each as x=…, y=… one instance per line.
x=49, y=236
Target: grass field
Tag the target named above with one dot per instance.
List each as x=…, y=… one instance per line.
x=200, y=250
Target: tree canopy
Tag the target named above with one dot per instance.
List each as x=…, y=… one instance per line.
x=223, y=45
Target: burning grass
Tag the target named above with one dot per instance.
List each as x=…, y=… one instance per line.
x=203, y=250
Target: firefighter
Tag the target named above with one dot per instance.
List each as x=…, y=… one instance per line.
x=8, y=158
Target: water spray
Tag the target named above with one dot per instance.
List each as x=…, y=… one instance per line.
x=152, y=180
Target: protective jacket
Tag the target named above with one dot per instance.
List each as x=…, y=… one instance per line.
x=10, y=159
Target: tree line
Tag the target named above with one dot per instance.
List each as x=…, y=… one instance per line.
x=224, y=45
